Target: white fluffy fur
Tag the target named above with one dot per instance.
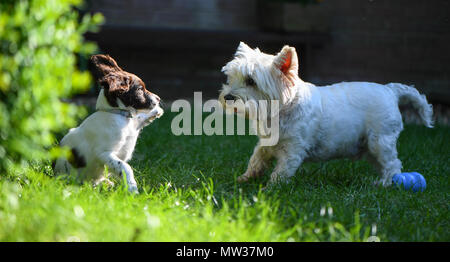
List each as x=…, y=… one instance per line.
x=106, y=138
x=349, y=119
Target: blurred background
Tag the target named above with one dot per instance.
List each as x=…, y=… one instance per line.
x=179, y=46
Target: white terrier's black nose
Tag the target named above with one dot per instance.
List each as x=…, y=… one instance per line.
x=229, y=97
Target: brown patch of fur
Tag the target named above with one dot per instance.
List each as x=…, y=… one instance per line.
x=104, y=64
x=119, y=84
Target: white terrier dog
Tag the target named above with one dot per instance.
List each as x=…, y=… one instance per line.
x=348, y=119
x=108, y=136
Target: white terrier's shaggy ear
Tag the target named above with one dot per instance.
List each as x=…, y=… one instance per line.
x=287, y=61
x=242, y=48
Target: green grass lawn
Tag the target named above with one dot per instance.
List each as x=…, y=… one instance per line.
x=189, y=193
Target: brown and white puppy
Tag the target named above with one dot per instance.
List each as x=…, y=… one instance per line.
x=108, y=136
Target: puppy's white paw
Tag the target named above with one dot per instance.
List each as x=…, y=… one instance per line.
x=105, y=181
x=157, y=112
x=133, y=189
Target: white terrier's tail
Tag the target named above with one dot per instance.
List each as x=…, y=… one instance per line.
x=410, y=95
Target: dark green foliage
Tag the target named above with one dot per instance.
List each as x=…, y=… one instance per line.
x=39, y=44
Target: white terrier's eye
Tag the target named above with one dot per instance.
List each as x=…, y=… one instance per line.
x=250, y=82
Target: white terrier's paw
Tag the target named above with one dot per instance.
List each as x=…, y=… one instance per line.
x=383, y=182
x=249, y=175
x=277, y=180
x=243, y=178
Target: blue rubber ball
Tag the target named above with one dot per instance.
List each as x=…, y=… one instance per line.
x=410, y=181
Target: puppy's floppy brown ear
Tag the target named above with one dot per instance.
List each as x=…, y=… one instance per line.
x=104, y=65
x=114, y=85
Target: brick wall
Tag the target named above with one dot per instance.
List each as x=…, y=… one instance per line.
x=181, y=14
x=370, y=40
x=404, y=41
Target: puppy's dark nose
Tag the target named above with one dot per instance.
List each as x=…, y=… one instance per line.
x=229, y=97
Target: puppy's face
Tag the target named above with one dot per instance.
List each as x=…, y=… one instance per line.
x=255, y=76
x=122, y=87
